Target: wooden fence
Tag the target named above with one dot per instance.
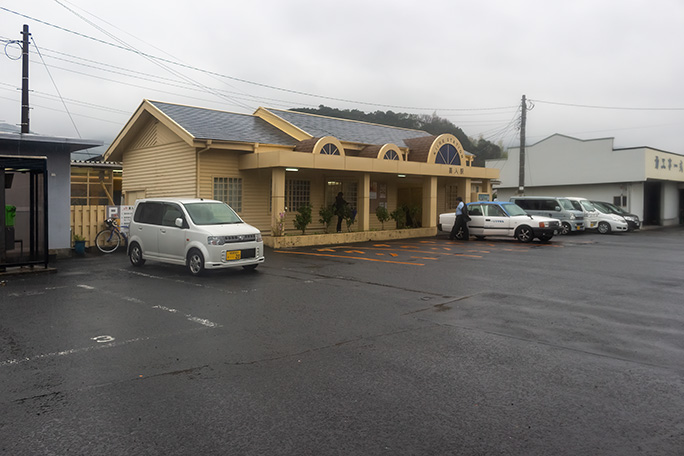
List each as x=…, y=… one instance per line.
x=87, y=221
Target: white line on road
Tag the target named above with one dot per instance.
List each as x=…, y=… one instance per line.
x=74, y=351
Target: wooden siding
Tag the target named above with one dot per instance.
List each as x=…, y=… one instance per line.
x=165, y=170
x=87, y=221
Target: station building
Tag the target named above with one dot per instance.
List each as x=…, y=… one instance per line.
x=274, y=161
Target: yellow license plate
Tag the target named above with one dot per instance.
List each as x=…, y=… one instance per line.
x=233, y=255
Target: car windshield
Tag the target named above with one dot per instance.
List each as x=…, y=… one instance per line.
x=567, y=205
x=602, y=207
x=587, y=206
x=615, y=209
x=206, y=213
x=513, y=209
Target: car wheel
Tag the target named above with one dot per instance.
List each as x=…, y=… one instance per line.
x=135, y=255
x=195, y=262
x=524, y=234
x=250, y=267
x=603, y=228
x=565, y=228
x=545, y=237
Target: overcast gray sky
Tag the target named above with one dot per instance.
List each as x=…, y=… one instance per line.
x=468, y=61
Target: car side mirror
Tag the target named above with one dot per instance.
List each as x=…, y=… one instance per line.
x=179, y=222
x=557, y=208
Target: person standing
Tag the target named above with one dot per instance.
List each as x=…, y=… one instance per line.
x=461, y=222
x=340, y=209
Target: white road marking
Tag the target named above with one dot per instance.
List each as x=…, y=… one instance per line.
x=74, y=351
x=201, y=321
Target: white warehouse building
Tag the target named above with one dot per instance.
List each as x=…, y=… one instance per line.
x=642, y=180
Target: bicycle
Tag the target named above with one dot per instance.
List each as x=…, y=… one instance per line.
x=109, y=239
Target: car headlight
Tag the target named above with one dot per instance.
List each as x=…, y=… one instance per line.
x=259, y=238
x=215, y=240
x=572, y=217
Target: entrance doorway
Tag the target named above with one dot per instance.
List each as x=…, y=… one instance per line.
x=653, y=192
x=410, y=199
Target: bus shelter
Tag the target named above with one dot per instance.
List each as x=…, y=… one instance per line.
x=23, y=211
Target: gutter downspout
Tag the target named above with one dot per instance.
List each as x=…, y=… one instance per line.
x=207, y=146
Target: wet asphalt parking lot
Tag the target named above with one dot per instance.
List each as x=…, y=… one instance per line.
x=413, y=347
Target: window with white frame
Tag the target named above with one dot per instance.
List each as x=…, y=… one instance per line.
x=229, y=190
x=297, y=194
x=620, y=200
x=349, y=190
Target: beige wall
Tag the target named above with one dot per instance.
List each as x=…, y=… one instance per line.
x=158, y=164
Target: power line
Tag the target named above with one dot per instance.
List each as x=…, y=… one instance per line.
x=623, y=108
x=66, y=108
x=259, y=84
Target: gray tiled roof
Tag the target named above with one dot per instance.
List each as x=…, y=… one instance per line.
x=348, y=130
x=224, y=126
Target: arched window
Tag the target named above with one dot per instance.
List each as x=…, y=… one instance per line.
x=448, y=155
x=330, y=149
x=391, y=155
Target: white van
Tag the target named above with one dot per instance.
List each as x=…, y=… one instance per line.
x=197, y=233
x=591, y=214
x=553, y=207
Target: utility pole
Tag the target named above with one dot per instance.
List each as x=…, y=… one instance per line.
x=25, y=81
x=521, y=172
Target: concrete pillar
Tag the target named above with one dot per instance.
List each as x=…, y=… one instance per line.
x=277, y=197
x=363, y=203
x=467, y=190
x=429, y=202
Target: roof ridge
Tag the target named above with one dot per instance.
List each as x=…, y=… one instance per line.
x=343, y=119
x=199, y=107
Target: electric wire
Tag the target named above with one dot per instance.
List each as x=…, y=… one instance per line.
x=54, y=83
x=259, y=84
x=620, y=108
x=157, y=61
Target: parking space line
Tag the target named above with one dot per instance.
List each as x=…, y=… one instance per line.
x=75, y=351
x=349, y=257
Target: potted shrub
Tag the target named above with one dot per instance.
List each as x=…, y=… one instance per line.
x=79, y=244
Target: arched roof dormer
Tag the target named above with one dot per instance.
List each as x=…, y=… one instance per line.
x=390, y=152
x=444, y=149
x=327, y=145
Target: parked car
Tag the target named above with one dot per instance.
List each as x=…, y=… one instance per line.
x=503, y=219
x=633, y=222
x=591, y=214
x=553, y=207
x=608, y=221
x=197, y=233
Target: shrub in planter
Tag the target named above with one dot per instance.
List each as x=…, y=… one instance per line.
x=349, y=217
x=303, y=218
x=327, y=214
x=399, y=216
x=383, y=215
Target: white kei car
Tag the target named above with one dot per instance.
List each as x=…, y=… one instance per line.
x=503, y=219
